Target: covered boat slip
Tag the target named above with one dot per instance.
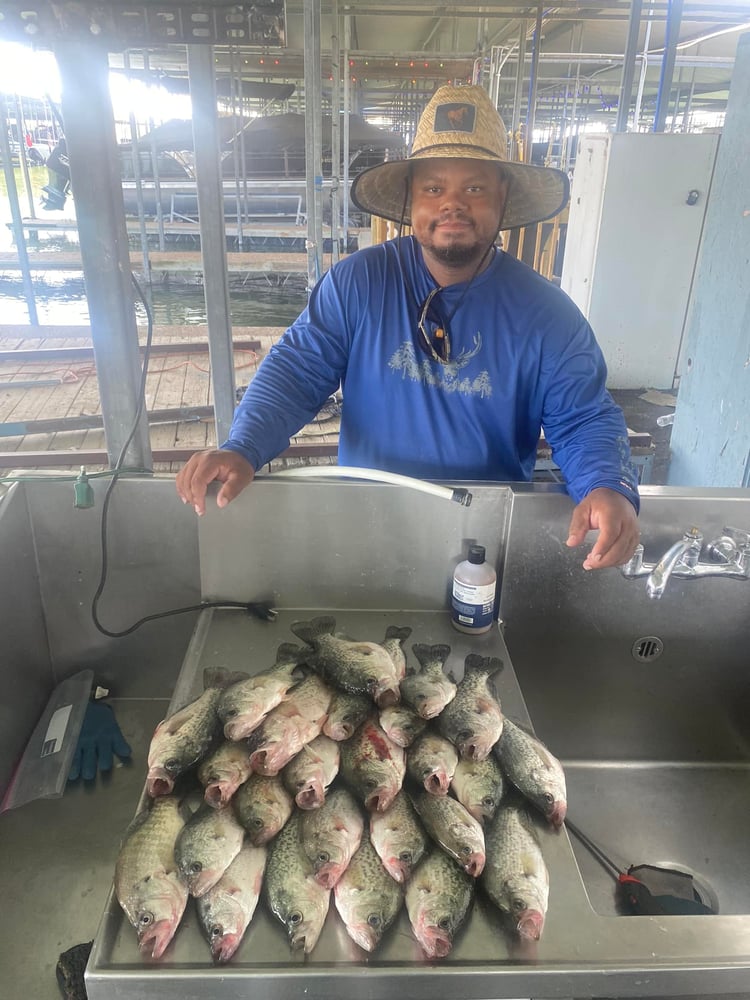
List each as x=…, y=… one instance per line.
x=372, y=555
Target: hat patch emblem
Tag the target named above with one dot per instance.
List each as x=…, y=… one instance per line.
x=455, y=118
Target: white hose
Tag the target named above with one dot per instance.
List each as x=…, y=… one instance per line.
x=378, y=475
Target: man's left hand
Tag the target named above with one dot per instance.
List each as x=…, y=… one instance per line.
x=614, y=517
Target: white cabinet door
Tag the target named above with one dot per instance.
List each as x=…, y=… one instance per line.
x=633, y=238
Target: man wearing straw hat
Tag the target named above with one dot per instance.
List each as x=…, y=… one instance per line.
x=452, y=355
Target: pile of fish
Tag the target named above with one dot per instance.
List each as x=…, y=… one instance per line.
x=338, y=771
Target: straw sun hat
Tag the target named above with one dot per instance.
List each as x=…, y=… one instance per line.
x=461, y=122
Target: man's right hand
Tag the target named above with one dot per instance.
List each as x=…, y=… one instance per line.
x=228, y=467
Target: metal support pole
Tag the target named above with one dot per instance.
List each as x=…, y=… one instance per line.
x=138, y=178
x=313, y=158
x=24, y=160
x=628, y=66
x=346, y=110
x=335, y=134
x=518, y=95
x=674, y=18
x=213, y=233
x=533, y=83
x=15, y=212
x=97, y=188
x=155, y=172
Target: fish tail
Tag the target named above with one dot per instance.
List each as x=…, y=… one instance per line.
x=222, y=677
x=427, y=654
x=309, y=631
x=394, y=632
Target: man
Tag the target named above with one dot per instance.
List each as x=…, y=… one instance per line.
x=452, y=355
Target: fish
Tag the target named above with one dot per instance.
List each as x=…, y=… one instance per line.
x=243, y=706
x=346, y=713
x=367, y=898
x=206, y=846
x=148, y=883
x=398, y=837
x=534, y=771
x=308, y=775
x=292, y=724
x=431, y=762
x=454, y=828
x=401, y=724
x=393, y=642
x=262, y=805
x=438, y=897
x=330, y=836
x=515, y=877
x=364, y=668
x=181, y=740
x=294, y=896
x=225, y=911
x=373, y=766
x=223, y=771
x=474, y=720
x=428, y=690
x=479, y=785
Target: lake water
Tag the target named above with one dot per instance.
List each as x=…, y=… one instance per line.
x=61, y=298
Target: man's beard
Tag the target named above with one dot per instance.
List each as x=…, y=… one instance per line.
x=456, y=254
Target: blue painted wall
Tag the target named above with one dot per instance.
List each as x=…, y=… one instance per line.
x=711, y=433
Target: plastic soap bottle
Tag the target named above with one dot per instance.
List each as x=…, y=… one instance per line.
x=473, y=594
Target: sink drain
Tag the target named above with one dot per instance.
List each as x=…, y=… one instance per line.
x=647, y=648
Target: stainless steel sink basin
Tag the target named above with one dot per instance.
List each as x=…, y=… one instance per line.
x=647, y=703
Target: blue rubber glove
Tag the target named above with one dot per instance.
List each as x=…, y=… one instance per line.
x=100, y=737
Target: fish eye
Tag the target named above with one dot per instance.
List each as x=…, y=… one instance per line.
x=295, y=918
x=370, y=783
x=146, y=919
x=488, y=802
x=444, y=923
x=374, y=920
x=518, y=903
x=172, y=764
x=217, y=931
x=324, y=857
x=548, y=799
x=196, y=868
x=257, y=823
x=405, y=856
x=464, y=735
x=230, y=713
x=465, y=849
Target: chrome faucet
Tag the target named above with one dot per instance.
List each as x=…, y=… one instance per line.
x=729, y=554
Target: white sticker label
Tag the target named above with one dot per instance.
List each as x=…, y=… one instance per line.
x=482, y=596
x=53, y=739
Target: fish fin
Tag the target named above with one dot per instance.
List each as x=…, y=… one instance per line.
x=309, y=631
x=428, y=654
x=474, y=661
x=394, y=632
x=222, y=677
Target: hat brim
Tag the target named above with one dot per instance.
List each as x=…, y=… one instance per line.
x=534, y=194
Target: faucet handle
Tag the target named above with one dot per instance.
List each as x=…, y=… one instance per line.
x=730, y=545
x=739, y=536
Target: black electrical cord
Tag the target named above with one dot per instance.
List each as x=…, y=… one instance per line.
x=260, y=609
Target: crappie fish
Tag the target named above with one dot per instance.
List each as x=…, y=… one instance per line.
x=223, y=771
x=330, y=836
x=455, y=829
x=357, y=667
x=395, y=638
x=292, y=724
x=431, y=762
x=184, y=738
x=474, y=721
x=308, y=775
x=346, y=713
x=367, y=898
x=438, y=898
x=262, y=805
x=398, y=837
x=299, y=902
x=373, y=766
x=428, y=690
x=208, y=843
x=515, y=877
x=479, y=785
x=225, y=911
x=243, y=706
x=534, y=771
x=148, y=883
x=401, y=724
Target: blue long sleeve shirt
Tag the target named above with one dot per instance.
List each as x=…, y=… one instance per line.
x=522, y=358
